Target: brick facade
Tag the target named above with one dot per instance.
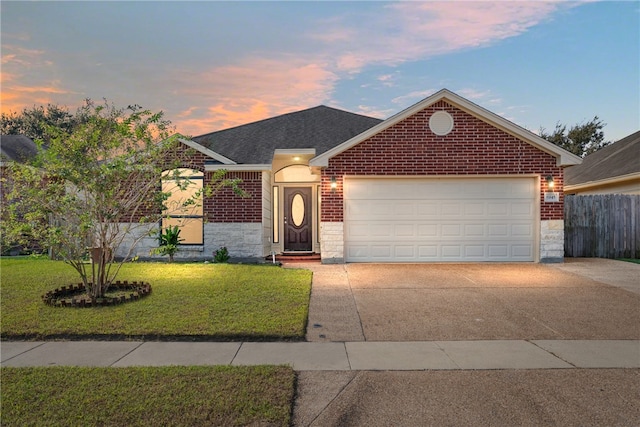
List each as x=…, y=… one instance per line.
x=225, y=206
x=473, y=147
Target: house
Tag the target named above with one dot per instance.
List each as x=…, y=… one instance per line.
x=16, y=148
x=443, y=180
x=614, y=169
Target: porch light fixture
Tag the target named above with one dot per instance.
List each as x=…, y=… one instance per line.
x=334, y=184
x=550, y=182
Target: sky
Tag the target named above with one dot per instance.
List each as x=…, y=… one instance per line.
x=214, y=65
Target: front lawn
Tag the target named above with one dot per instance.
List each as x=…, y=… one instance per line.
x=188, y=301
x=166, y=396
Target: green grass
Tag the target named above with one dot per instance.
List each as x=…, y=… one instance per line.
x=188, y=301
x=167, y=396
x=633, y=260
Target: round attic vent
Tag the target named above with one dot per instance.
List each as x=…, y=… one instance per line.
x=441, y=123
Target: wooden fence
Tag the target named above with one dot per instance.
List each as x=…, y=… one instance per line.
x=602, y=226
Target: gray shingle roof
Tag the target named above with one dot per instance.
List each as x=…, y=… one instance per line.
x=319, y=127
x=620, y=158
x=17, y=148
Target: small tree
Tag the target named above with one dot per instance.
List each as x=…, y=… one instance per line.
x=581, y=139
x=94, y=188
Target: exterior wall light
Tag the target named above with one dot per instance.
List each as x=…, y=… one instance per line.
x=550, y=182
x=334, y=184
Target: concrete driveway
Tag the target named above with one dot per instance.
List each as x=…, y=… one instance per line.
x=582, y=299
x=427, y=302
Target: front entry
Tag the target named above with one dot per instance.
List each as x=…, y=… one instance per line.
x=297, y=219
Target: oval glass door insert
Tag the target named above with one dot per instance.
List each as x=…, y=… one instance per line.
x=297, y=210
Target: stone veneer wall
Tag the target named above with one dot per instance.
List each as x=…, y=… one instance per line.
x=332, y=242
x=552, y=240
x=243, y=241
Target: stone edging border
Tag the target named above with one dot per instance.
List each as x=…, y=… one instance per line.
x=65, y=296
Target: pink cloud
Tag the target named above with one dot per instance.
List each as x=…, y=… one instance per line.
x=254, y=89
x=18, y=64
x=410, y=31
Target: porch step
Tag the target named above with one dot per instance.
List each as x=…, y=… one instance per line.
x=296, y=257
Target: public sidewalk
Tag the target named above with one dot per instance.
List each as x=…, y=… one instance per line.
x=332, y=356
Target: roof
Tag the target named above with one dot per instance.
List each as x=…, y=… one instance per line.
x=17, y=148
x=321, y=128
x=618, y=159
x=564, y=158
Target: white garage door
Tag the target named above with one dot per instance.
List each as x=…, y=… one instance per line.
x=449, y=219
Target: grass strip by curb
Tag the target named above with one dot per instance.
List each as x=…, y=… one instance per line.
x=143, y=396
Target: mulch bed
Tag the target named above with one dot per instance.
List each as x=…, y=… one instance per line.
x=76, y=296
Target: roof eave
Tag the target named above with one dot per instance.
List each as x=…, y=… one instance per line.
x=238, y=167
x=204, y=150
x=602, y=182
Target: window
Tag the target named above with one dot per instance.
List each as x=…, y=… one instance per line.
x=184, y=204
x=276, y=229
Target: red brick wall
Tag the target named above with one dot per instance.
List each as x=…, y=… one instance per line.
x=225, y=206
x=473, y=147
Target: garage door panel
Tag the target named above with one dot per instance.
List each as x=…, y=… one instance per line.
x=522, y=230
x=404, y=232
x=474, y=230
x=498, y=230
x=522, y=209
x=408, y=220
x=427, y=230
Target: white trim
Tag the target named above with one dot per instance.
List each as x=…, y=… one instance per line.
x=206, y=151
x=294, y=151
x=564, y=158
x=602, y=182
x=443, y=177
x=535, y=179
x=236, y=167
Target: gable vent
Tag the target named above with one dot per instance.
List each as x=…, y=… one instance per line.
x=441, y=123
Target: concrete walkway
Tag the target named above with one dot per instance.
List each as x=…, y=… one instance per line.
x=306, y=356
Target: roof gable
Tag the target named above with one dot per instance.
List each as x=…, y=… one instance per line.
x=618, y=159
x=564, y=158
x=320, y=128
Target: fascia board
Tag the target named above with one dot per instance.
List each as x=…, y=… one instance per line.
x=294, y=151
x=207, y=152
x=603, y=182
x=564, y=158
x=239, y=168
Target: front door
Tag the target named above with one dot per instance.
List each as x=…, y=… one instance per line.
x=297, y=219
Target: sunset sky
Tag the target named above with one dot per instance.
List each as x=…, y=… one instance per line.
x=213, y=65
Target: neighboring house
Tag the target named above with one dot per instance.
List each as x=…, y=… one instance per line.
x=443, y=180
x=614, y=169
x=14, y=148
